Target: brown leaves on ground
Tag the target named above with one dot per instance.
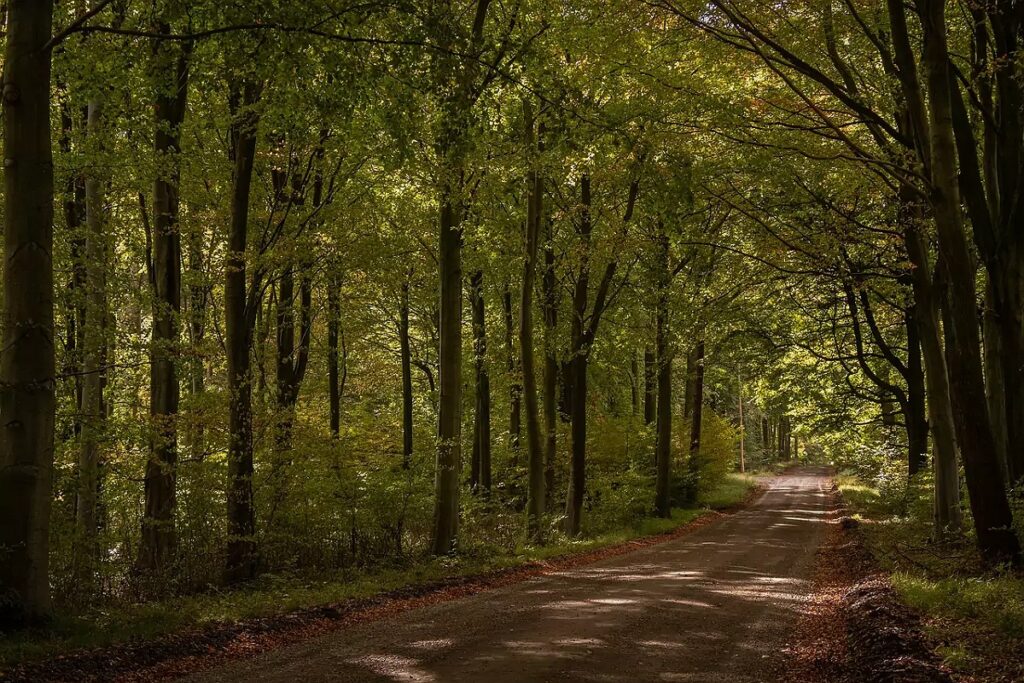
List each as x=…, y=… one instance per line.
x=201, y=648
x=855, y=629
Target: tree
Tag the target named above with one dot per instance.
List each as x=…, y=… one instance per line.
x=27, y=364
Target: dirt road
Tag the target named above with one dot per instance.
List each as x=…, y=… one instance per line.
x=715, y=605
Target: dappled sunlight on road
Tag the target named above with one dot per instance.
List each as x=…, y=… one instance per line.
x=711, y=606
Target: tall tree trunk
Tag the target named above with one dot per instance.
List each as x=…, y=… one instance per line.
x=27, y=361
x=481, y=470
x=650, y=385
x=993, y=519
x=515, y=385
x=74, y=217
x=995, y=382
x=914, y=418
x=940, y=410
x=663, y=447
x=158, y=542
x=456, y=84
x=198, y=299
x=449, y=437
x=550, y=360
x=403, y=342
x=742, y=421
x=634, y=384
x=691, y=382
x=333, y=380
x=240, y=320
x=697, y=414
x=536, y=504
x=578, y=367
x=292, y=358
x=93, y=361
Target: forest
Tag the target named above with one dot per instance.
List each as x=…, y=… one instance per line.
x=304, y=293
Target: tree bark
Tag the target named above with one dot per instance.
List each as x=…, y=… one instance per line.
x=663, y=446
x=948, y=518
x=403, y=342
x=481, y=469
x=515, y=385
x=93, y=361
x=292, y=359
x=158, y=543
x=240, y=321
x=449, y=437
x=457, y=83
x=742, y=422
x=27, y=361
x=536, y=504
x=696, y=413
x=650, y=385
x=550, y=400
x=995, y=382
x=993, y=519
x=914, y=417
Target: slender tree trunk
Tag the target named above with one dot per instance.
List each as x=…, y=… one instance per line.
x=578, y=459
x=691, y=382
x=158, y=542
x=697, y=414
x=292, y=357
x=199, y=292
x=74, y=217
x=27, y=362
x=650, y=386
x=93, y=359
x=550, y=360
x=333, y=323
x=515, y=386
x=995, y=382
x=914, y=418
x=1007, y=341
x=536, y=503
x=449, y=437
x=240, y=320
x=634, y=385
x=993, y=520
x=481, y=476
x=578, y=366
x=743, y=424
x=940, y=412
x=403, y=342
x=663, y=447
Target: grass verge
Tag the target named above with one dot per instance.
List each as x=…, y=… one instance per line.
x=975, y=616
x=274, y=595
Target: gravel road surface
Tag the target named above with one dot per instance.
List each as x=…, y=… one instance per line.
x=713, y=606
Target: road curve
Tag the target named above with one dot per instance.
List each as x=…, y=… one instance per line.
x=713, y=606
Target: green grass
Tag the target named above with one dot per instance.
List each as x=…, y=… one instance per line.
x=731, y=491
x=996, y=602
x=977, y=615
x=273, y=594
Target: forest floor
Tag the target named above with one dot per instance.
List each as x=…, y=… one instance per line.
x=165, y=639
x=959, y=617
x=715, y=604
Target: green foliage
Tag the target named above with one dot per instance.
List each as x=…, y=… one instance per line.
x=281, y=592
x=706, y=470
x=994, y=601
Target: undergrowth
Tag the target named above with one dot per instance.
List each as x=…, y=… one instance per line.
x=274, y=594
x=974, y=614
